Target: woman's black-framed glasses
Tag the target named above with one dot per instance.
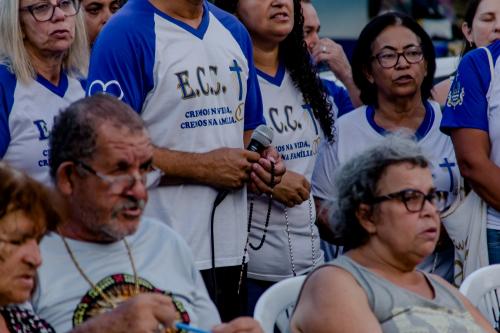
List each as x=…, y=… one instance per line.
x=390, y=58
x=414, y=200
x=44, y=11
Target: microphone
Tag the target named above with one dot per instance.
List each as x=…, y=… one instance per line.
x=261, y=138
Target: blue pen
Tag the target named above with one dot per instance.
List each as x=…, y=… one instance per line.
x=186, y=327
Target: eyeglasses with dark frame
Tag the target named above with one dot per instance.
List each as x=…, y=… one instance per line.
x=389, y=58
x=44, y=11
x=117, y=183
x=414, y=200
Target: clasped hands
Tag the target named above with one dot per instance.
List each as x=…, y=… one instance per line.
x=231, y=168
x=235, y=167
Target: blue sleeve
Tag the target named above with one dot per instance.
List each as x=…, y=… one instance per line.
x=122, y=58
x=7, y=87
x=467, y=105
x=254, y=110
x=340, y=97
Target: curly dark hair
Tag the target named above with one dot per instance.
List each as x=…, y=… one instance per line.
x=362, y=55
x=357, y=183
x=297, y=60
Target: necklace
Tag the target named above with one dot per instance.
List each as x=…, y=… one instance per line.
x=93, y=285
x=287, y=228
x=290, y=249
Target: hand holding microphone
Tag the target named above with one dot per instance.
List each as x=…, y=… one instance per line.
x=262, y=137
x=260, y=176
x=260, y=141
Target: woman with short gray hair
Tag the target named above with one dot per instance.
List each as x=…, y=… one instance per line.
x=388, y=210
x=43, y=57
x=356, y=182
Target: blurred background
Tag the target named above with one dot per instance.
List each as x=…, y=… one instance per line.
x=343, y=20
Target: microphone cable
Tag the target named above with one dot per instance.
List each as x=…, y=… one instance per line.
x=249, y=228
x=216, y=203
x=260, y=140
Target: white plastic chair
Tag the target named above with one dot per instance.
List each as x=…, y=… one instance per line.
x=482, y=288
x=279, y=298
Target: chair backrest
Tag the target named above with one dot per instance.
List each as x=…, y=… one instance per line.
x=482, y=288
x=279, y=297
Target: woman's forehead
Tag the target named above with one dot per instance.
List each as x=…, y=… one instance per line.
x=16, y=221
x=395, y=36
x=405, y=175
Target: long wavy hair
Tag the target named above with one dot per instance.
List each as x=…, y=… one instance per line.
x=297, y=60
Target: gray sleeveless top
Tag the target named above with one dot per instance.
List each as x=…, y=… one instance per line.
x=402, y=311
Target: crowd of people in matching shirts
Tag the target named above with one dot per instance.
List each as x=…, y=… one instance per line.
x=124, y=169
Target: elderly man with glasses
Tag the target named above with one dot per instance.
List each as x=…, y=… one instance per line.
x=108, y=269
x=187, y=68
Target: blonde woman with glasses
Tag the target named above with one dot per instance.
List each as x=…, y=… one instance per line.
x=43, y=58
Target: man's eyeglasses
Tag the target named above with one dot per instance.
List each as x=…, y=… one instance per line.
x=44, y=11
x=389, y=58
x=414, y=200
x=118, y=183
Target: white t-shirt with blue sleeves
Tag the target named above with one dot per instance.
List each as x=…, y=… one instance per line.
x=196, y=90
x=357, y=131
x=341, y=101
x=27, y=112
x=297, y=137
x=474, y=102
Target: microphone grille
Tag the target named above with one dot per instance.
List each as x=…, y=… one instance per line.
x=263, y=134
